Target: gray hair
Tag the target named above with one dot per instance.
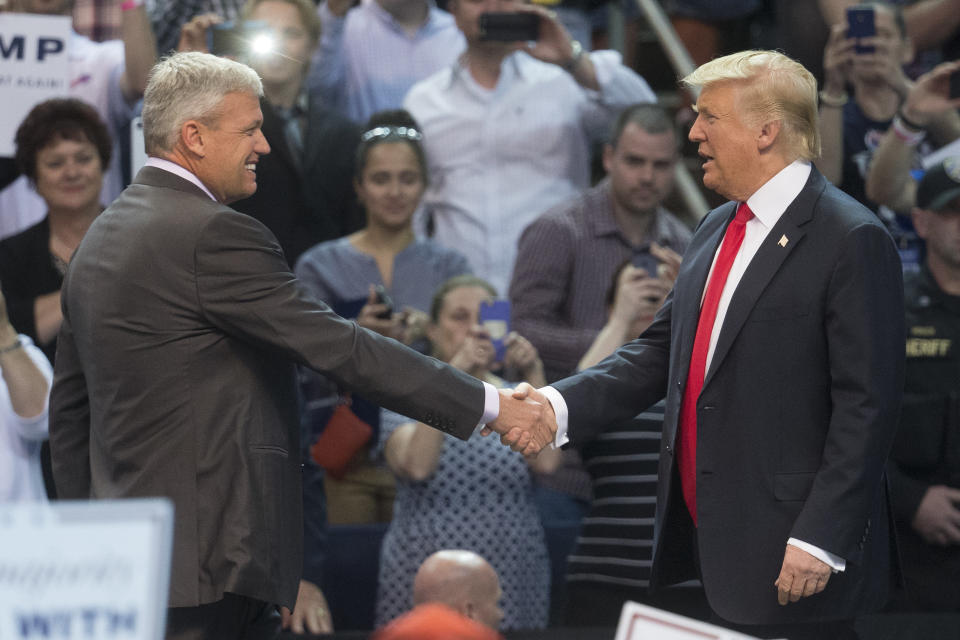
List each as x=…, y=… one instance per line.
x=189, y=86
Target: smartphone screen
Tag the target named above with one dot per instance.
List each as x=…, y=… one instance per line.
x=861, y=24
x=495, y=318
x=510, y=27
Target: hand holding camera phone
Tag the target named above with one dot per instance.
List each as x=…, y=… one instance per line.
x=382, y=297
x=494, y=317
x=861, y=23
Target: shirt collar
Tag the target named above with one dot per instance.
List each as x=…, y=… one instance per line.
x=770, y=201
x=176, y=169
x=603, y=223
x=511, y=67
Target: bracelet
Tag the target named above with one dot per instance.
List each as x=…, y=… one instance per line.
x=126, y=5
x=17, y=343
x=904, y=133
x=576, y=56
x=828, y=100
x=908, y=123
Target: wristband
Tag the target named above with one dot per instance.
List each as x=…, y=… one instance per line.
x=127, y=5
x=904, y=133
x=908, y=123
x=828, y=100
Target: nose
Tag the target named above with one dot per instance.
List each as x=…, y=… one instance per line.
x=696, y=131
x=261, y=145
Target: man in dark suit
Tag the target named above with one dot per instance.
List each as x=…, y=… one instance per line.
x=780, y=353
x=176, y=362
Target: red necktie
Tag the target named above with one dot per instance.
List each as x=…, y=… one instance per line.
x=732, y=240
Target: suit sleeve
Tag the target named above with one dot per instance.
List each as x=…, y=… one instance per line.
x=69, y=420
x=864, y=322
x=245, y=288
x=623, y=385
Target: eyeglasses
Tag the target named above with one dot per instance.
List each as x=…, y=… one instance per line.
x=408, y=133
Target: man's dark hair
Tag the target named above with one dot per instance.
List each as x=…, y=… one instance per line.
x=650, y=117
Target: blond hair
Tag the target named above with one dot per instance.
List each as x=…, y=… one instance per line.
x=776, y=87
x=190, y=86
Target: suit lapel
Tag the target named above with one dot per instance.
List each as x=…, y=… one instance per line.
x=765, y=264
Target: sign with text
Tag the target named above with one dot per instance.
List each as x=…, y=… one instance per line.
x=33, y=67
x=640, y=622
x=85, y=570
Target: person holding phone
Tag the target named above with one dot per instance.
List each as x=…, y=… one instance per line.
x=366, y=275
x=497, y=161
x=472, y=495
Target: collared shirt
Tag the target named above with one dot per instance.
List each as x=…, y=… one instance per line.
x=566, y=261
x=499, y=158
x=768, y=203
x=366, y=62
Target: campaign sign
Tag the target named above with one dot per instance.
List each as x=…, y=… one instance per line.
x=33, y=67
x=85, y=570
x=640, y=622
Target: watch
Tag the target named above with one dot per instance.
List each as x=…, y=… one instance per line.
x=576, y=54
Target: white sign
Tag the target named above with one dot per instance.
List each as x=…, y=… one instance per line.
x=33, y=67
x=640, y=622
x=85, y=570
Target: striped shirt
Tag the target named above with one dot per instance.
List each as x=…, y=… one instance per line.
x=615, y=546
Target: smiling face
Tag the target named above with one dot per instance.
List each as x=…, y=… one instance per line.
x=391, y=185
x=69, y=175
x=287, y=62
x=641, y=168
x=231, y=147
x=728, y=145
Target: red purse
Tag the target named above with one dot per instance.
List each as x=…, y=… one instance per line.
x=344, y=435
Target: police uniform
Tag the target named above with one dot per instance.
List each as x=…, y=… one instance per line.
x=927, y=449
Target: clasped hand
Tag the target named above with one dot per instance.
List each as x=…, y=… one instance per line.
x=526, y=422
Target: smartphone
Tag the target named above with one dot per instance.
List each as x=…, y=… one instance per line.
x=861, y=24
x=495, y=318
x=232, y=39
x=955, y=85
x=384, y=298
x=646, y=262
x=509, y=27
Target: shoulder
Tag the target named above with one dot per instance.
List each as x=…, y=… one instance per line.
x=323, y=253
x=836, y=209
x=424, y=93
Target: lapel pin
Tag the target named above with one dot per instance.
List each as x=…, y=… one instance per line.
x=783, y=241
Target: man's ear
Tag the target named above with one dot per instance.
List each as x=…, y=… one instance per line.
x=769, y=132
x=191, y=134
x=607, y=157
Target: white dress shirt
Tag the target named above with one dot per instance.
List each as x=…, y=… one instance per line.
x=768, y=203
x=366, y=62
x=499, y=158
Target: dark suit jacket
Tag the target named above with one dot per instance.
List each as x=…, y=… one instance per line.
x=306, y=205
x=796, y=416
x=175, y=377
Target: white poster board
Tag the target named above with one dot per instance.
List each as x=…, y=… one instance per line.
x=85, y=570
x=640, y=622
x=33, y=67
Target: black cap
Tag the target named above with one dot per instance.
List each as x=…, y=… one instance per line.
x=940, y=185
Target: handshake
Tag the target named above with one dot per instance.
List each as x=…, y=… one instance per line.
x=526, y=422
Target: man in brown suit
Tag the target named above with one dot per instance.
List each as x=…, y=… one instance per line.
x=175, y=370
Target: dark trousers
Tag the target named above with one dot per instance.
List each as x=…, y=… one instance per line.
x=234, y=618
x=833, y=630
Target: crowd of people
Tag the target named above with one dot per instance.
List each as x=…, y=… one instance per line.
x=286, y=320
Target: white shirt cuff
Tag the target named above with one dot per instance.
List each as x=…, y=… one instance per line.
x=836, y=562
x=560, y=411
x=491, y=404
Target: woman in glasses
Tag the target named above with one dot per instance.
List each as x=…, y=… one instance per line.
x=385, y=277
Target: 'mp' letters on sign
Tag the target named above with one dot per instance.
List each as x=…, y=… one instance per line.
x=33, y=67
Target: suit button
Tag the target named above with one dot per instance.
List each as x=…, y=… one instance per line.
x=709, y=407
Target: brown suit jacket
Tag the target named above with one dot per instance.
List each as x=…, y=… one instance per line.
x=175, y=377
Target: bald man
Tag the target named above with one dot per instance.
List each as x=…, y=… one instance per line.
x=463, y=581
